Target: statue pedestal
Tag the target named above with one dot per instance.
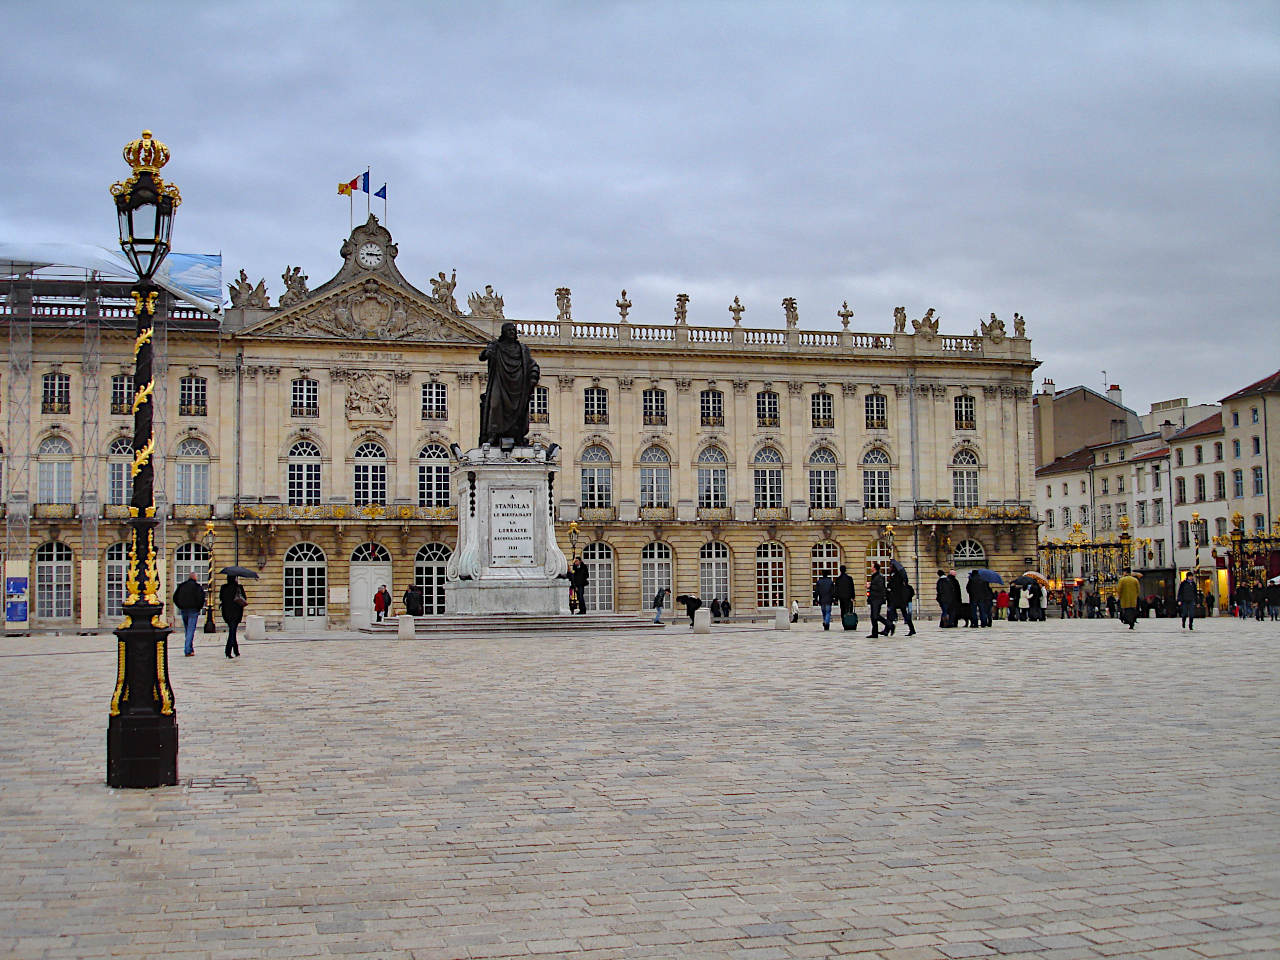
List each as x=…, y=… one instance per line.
x=507, y=560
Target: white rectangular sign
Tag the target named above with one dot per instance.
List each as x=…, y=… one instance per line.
x=511, y=519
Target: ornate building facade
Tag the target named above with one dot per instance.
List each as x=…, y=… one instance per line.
x=315, y=437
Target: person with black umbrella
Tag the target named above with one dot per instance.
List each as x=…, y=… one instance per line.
x=900, y=593
x=232, y=599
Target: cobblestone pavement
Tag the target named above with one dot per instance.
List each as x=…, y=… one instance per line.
x=1059, y=790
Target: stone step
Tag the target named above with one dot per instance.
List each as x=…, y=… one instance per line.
x=515, y=623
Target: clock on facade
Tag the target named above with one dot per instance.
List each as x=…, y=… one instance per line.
x=369, y=255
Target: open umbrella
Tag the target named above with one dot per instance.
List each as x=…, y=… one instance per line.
x=240, y=572
x=1037, y=576
x=1274, y=580
x=895, y=565
x=1024, y=581
x=990, y=576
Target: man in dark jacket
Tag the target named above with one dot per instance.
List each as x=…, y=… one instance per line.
x=960, y=609
x=578, y=576
x=189, y=599
x=942, y=593
x=877, y=593
x=900, y=594
x=824, y=592
x=845, y=591
x=691, y=605
x=414, y=601
x=980, y=598
x=1188, y=595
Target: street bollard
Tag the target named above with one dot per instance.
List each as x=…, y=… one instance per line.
x=407, y=627
x=702, y=620
x=781, y=619
x=255, y=627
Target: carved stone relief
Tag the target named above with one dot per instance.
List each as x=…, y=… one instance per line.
x=368, y=313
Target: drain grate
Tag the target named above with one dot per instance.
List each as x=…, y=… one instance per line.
x=225, y=784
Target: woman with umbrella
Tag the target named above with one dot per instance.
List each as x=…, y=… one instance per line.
x=900, y=594
x=232, y=599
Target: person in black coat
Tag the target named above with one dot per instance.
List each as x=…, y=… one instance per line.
x=691, y=605
x=1188, y=595
x=232, y=600
x=578, y=577
x=414, y=600
x=980, y=598
x=845, y=591
x=725, y=608
x=824, y=594
x=189, y=599
x=942, y=593
x=877, y=594
x=900, y=594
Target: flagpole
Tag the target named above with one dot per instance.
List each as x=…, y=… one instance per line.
x=351, y=212
x=366, y=192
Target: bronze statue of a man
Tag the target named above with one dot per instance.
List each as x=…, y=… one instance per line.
x=504, y=406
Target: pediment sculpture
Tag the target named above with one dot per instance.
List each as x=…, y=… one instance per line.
x=926, y=326
x=368, y=312
x=245, y=294
x=993, y=329
x=487, y=306
x=899, y=319
x=295, y=286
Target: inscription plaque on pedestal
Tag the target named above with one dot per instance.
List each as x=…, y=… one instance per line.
x=511, y=527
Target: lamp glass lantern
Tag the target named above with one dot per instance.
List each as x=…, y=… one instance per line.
x=144, y=206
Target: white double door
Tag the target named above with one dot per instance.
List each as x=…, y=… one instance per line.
x=366, y=578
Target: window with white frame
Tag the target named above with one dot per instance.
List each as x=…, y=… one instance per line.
x=121, y=394
x=771, y=575
x=1220, y=526
x=875, y=480
x=1257, y=445
x=654, y=407
x=1066, y=516
x=193, y=397
x=435, y=401
x=55, y=393
x=1219, y=486
x=598, y=558
x=1048, y=519
x=369, y=474
x=113, y=580
x=1200, y=488
x=304, y=397
x=1084, y=514
x=768, y=479
x=595, y=405
x=824, y=560
x=822, y=408
x=877, y=411
x=597, y=478
x=711, y=404
x=767, y=407
x=1155, y=477
x=53, y=581
x=1184, y=534
x=191, y=469
x=655, y=477
x=1237, y=483
x=1259, y=523
x=303, y=480
x=539, y=405
x=878, y=551
x=1217, y=450
x=713, y=571
x=53, y=471
x=964, y=479
x=1157, y=511
x=305, y=581
x=822, y=480
x=433, y=476
x=1142, y=513
x=1235, y=449
x=1259, y=487
x=655, y=571
x=429, y=573
x=191, y=557
x=120, y=472
x=966, y=415
x=1179, y=490
x=712, y=479
x=1104, y=517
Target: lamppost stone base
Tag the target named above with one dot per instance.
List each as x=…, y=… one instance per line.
x=142, y=750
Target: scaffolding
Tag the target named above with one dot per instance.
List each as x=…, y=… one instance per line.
x=17, y=509
x=91, y=463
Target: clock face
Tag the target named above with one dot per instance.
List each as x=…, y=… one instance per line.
x=369, y=255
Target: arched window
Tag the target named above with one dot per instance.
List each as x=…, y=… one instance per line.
x=192, y=471
x=369, y=481
x=304, y=474
x=305, y=579
x=370, y=553
x=191, y=557
x=969, y=553
x=964, y=479
x=119, y=471
x=825, y=559
x=767, y=407
x=53, y=471
x=822, y=480
x=878, y=551
x=711, y=405
x=116, y=569
x=966, y=416
x=712, y=479
x=599, y=592
x=597, y=478
x=655, y=478
x=822, y=410
x=305, y=394
x=429, y=574
x=53, y=581
x=877, y=410
x=713, y=571
x=433, y=476
x=771, y=575
x=768, y=479
x=655, y=570
x=875, y=480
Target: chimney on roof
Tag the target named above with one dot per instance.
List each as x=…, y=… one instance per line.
x=1047, y=387
x=1168, y=429
x=1113, y=394
x=1119, y=429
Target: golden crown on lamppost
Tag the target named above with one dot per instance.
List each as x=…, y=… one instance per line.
x=145, y=206
x=146, y=153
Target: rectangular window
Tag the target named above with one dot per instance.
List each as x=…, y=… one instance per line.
x=1180, y=490
x=193, y=397
x=597, y=487
x=1120, y=483
x=1048, y=519
x=595, y=405
x=822, y=411
x=193, y=483
x=1177, y=456
x=1084, y=514
x=768, y=488
x=1237, y=483
x=712, y=404
x=1259, y=488
x=1219, y=486
x=877, y=408
x=1048, y=491
x=119, y=483
x=1217, y=450
x=1235, y=418
x=1220, y=526
x=1257, y=446
x=304, y=484
x=655, y=486
x=712, y=489
x=435, y=401
x=369, y=483
x=655, y=407
x=53, y=481
x=966, y=417
x=1159, y=545
x=964, y=488
x=822, y=490
x=1199, y=454
x=1104, y=517
x=875, y=489
x=1066, y=516
x=55, y=396
x=1105, y=487
x=767, y=409
x=539, y=405
x=305, y=398
x=1157, y=511
x=1253, y=414
x=1235, y=449
x=1155, y=477
x=1184, y=534
x=122, y=394
x=1200, y=489
x=1142, y=513
x=433, y=484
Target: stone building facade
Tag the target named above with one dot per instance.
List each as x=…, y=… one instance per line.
x=720, y=461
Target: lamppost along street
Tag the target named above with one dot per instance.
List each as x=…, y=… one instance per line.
x=209, y=537
x=142, y=728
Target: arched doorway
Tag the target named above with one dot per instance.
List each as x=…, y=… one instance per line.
x=370, y=569
x=305, y=587
x=53, y=581
x=599, y=560
x=428, y=574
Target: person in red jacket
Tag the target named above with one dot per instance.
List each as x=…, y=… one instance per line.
x=382, y=603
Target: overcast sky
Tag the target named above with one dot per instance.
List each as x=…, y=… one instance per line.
x=1108, y=170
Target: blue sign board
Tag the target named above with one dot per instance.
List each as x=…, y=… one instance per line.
x=15, y=599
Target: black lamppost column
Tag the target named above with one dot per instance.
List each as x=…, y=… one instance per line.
x=142, y=728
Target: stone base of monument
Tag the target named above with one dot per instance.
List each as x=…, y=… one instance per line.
x=497, y=598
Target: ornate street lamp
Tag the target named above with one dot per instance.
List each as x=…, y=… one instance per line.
x=573, y=538
x=142, y=728
x=208, y=539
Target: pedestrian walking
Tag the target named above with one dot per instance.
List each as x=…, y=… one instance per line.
x=980, y=598
x=1273, y=600
x=232, y=600
x=877, y=594
x=1128, y=600
x=845, y=592
x=189, y=599
x=900, y=593
x=659, y=601
x=824, y=594
x=1188, y=594
x=795, y=611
